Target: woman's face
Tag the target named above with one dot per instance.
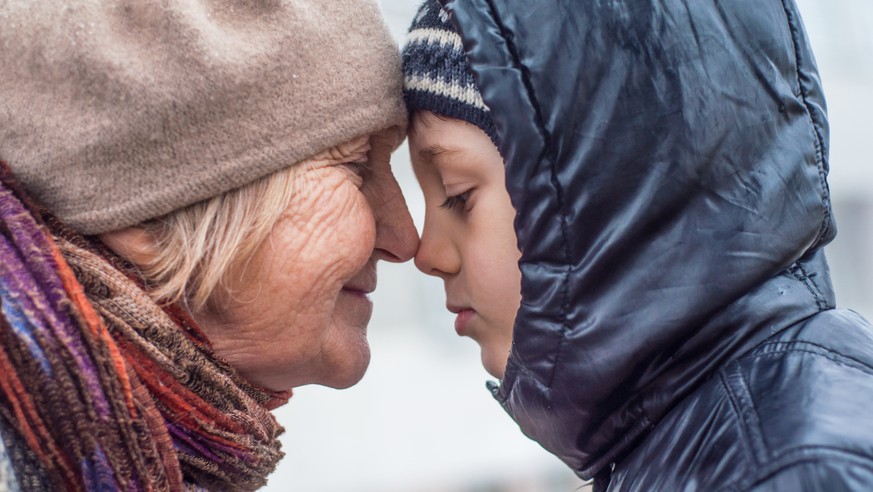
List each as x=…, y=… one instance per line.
x=299, y=310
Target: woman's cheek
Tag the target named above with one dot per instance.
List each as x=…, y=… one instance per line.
x=358, y=231
x=366, y=221
x=352, y=231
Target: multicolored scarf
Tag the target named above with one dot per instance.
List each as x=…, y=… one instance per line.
x=109, y=390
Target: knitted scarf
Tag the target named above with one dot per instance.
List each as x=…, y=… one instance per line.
x=109, y=390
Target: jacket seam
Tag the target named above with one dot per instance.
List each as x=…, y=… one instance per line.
x=819, y=138
x=746, y=413
x=559, y=191
x=842, y=359
x=798, y=456
x=801, y=275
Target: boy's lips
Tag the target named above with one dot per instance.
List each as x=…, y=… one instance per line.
x=463, y=318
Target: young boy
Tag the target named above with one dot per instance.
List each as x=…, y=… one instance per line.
x=468, y=239
x=666, y=164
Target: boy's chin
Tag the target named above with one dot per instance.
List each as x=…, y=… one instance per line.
x=494, y=364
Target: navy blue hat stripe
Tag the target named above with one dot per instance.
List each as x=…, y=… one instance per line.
x=436, y=77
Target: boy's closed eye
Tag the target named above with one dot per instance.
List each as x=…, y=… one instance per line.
x=457, y=202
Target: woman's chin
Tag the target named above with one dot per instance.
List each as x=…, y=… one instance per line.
x=351, y=374
x=345, y=360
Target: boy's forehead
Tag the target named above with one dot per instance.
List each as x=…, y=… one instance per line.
x=430, y=126
x=437, y=145
x=441, y=139
x=439, y=151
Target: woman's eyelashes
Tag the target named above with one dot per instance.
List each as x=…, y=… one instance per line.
x=457, y=202
x=361, y=167
x=358, y=170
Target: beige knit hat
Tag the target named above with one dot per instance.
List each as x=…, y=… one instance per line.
x=113, y=112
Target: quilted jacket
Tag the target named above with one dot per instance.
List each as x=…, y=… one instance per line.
x=668, y=163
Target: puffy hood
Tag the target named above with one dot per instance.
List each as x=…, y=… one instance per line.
x=667, y=161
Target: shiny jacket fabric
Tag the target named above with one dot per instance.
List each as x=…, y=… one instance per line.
x=668, y=161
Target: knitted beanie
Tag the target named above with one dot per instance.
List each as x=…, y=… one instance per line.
x=436, y=77
x=113, y=112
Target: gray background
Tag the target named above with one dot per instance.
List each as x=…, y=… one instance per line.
x=422, y=421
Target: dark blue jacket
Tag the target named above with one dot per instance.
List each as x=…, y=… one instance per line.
x=668, y=161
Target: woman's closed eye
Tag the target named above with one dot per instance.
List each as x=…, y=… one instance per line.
x=457, y=202
x=362, y=167
x=358, y=170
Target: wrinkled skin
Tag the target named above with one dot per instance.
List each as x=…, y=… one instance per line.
x=298, y=313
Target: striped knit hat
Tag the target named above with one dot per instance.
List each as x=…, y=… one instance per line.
x=436, y=77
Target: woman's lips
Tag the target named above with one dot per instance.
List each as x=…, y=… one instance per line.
x=355, y=301
x=358, y=292
x=461, y=321
x=363, y=283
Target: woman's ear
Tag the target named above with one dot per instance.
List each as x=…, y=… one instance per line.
x=135, y=244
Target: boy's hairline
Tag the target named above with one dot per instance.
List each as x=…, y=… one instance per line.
x=434, y=150
x=418, y=113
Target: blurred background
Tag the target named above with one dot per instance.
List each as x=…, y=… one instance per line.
x=422, y=421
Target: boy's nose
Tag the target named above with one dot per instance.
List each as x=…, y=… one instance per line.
x=436, y=254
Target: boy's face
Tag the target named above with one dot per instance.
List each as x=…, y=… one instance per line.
x=468, y=238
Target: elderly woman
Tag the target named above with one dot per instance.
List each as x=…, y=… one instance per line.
x=194, y=198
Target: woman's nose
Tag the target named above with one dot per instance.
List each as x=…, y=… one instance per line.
x=396, y=237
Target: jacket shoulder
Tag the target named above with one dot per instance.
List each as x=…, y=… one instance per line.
x=795, y=404
x=838, y=473
x=802, y=400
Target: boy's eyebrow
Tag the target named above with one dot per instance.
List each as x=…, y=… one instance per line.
x=440, y=151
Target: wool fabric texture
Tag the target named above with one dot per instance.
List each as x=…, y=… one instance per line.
x=436, y=77
x=115, y=112
x=8, y=481
x=107, y=390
